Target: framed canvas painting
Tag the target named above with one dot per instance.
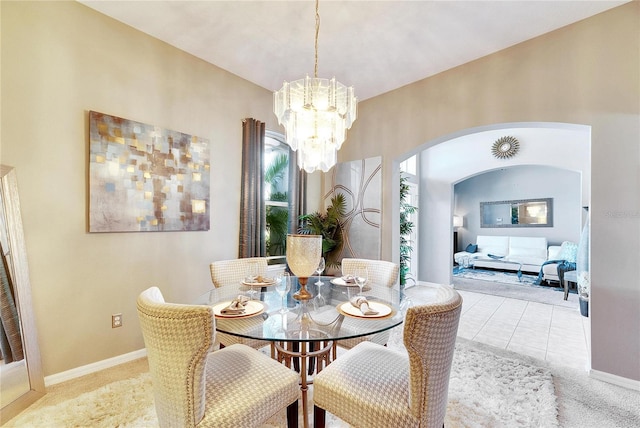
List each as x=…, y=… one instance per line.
x=143, y=178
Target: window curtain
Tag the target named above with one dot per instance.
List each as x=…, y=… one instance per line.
x=297, y=192
x=252, y=207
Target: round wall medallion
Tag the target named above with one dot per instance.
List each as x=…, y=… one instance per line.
x=505, y=147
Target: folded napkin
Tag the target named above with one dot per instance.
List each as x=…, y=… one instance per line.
x=361, y=303
x=349, y=279
x=236, y=306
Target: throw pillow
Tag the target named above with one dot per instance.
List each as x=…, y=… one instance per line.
x=568, y=251
x=471, y=248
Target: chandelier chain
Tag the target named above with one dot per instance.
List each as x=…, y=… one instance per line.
x=315, y=68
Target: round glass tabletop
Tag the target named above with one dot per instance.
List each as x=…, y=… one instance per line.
x=329, y=315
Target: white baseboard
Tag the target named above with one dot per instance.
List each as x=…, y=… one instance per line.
x=615, y=380
x=94, y=367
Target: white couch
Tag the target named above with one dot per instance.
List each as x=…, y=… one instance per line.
x=529, y=251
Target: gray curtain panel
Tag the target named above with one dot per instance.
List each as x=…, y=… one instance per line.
x=252, y=207
x=297, y=192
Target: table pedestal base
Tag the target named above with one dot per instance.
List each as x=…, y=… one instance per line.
x=285, y=352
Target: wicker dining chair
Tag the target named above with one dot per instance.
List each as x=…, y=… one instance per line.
x=226, y=276
x=233, y=387
x=375, y=386
x=382, y=273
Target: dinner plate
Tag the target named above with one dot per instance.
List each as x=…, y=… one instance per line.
x=383, y=309
x=341, y=282
x=253, y=307
x=259, y=284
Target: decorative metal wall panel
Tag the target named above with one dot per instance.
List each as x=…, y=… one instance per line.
x=361, y=184
x=143, y=178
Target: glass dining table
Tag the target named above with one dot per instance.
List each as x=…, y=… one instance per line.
x=305, y=334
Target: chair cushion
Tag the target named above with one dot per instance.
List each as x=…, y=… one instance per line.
x=368, y=387
x=247, y=388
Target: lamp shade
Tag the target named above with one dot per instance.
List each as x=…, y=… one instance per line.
x=303, y=254
x=457, y=221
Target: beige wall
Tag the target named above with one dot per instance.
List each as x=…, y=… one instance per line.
x=60, y=60
x=587, y=73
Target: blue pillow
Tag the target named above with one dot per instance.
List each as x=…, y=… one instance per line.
x=471, y=248
x=568, y=251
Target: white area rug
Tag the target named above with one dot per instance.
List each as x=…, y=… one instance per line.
x=126, y=403
x=478, y=283
x=486, y=390
x=495, y=276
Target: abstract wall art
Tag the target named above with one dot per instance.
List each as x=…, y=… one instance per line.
x=143, y=178
x=360, y=182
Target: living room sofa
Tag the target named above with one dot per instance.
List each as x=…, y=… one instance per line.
x=550, y=271
x=497, y=251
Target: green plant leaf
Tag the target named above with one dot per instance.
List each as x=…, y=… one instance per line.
x=329, y=225
x=406, y=227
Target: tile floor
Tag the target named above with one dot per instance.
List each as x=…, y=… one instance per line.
x=549, y=332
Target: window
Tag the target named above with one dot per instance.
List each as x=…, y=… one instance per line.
x=408, y=169
x=276, y=178
x=409, y=166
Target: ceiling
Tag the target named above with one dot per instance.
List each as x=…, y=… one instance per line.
x=374, y=46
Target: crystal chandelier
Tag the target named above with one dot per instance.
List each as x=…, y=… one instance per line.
x=316, y=114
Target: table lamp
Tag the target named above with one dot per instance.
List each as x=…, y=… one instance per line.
x=303, y=257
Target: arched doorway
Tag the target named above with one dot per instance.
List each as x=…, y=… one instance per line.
x=454, y=158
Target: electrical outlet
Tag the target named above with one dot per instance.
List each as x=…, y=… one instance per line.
x=116, y=320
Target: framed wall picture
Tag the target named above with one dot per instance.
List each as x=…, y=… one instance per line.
x=143, y=178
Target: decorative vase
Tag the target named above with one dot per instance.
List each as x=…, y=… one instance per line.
x=303, y=257
x=584, y=306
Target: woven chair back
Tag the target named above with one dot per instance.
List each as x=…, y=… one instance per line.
x=178, y=339
x=429, y=337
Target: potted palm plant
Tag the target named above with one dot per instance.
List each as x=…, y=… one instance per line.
x=406, y=227
x=276, y=216
x=329, y=225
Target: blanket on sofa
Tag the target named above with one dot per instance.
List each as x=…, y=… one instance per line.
x=563, y=266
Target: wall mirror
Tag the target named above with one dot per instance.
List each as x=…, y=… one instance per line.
x=517, y=213
x=21, y=378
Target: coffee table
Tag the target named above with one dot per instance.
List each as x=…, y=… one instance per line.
x=473, y=260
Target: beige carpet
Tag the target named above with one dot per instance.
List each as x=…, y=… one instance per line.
x=486, y=390
x=489, y=387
